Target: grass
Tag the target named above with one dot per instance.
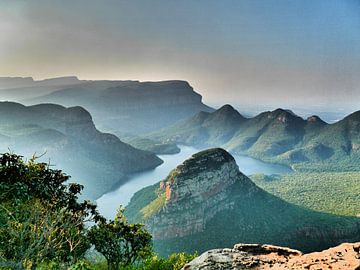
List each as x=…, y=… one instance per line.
x=154, y=207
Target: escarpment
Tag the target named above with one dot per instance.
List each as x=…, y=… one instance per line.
x=206, y=203
x=195, y=192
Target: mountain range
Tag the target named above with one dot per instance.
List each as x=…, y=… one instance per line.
x=69, y=139
x=116, y=106
x=277, y=136
x=206, y=203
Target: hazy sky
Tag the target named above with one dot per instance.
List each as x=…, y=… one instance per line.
x=241, y=51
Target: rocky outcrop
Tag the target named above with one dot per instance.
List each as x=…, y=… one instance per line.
x=206, y=202
x=255, y=256
x=195, y=192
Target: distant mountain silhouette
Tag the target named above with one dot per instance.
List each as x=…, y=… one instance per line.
x=128, y=106
x=70, y=141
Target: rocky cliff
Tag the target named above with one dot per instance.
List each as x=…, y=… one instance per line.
x=198, y=189
x=254, y=256
x=206, y=202
x=130, y=106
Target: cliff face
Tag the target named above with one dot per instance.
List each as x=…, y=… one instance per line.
x=254, y=256
x=206, y=202
x=131, y=106
x=195, y=192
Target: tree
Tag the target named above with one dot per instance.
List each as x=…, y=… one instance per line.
x=40, y=217
x=119, y=242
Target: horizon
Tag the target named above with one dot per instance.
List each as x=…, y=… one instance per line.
x=329, y=114
x=263, y=52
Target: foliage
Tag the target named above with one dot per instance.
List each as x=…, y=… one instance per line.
x=43, y=226
x=255, y=217
x=154, y=207
x=331, y=192
x=175, y=261
x=40, y=218
x=119, y=242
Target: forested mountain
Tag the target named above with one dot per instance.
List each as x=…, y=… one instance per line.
x=277, y=136
x=69, y=139
x=206, y=202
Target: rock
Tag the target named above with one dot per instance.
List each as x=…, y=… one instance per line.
x=195, y=192
x=256, y=256
x=206, y=202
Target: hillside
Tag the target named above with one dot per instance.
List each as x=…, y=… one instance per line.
x=278, y=136
x=69, y=139
x=206, y=203
x=204, y=129
x=130, y=106
x=331, y=192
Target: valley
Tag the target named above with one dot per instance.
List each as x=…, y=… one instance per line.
x=207, y=193
x=180, y=135
x=109, y=202
x=277, y=136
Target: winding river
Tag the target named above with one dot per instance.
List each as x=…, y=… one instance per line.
x=109, y=202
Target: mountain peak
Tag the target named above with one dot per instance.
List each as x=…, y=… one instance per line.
x=226, y=108
x=282, y=115
x=200, y=183
x=281, y=111
x=228, y=113
x=314, y=119
x=211, y=159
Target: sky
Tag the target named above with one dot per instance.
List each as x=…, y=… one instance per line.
x=268, y=52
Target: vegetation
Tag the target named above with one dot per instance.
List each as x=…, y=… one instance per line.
x=331, y=192
x=256, y=216
x=99, y=161
x=40, y=218
x=122, y=244
x=44, y=226
x=278, y=136
x=154, y=146
x=154, y=207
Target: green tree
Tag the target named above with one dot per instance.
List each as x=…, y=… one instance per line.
x=121, y=243
x=40, y=217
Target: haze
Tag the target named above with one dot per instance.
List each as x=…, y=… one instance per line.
x=244, y=52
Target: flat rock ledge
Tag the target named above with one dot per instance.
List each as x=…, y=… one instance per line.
x=255, y=256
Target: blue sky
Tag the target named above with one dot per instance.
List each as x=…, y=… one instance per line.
x=244, y=51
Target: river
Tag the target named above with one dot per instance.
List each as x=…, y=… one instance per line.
x=109, y=202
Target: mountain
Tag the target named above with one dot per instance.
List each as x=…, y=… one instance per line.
x=70, y=140
x=12, y=82
x=256, y=257
x=18, y=82
x=130, y=106
x=204, y=129
x=156, y=147
x=206, y=202
x=19, y=89
x=277, y=136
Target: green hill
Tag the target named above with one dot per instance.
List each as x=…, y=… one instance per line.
x=207, y=203
x=278, y=136
x=331, y=192
x=69, y=139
